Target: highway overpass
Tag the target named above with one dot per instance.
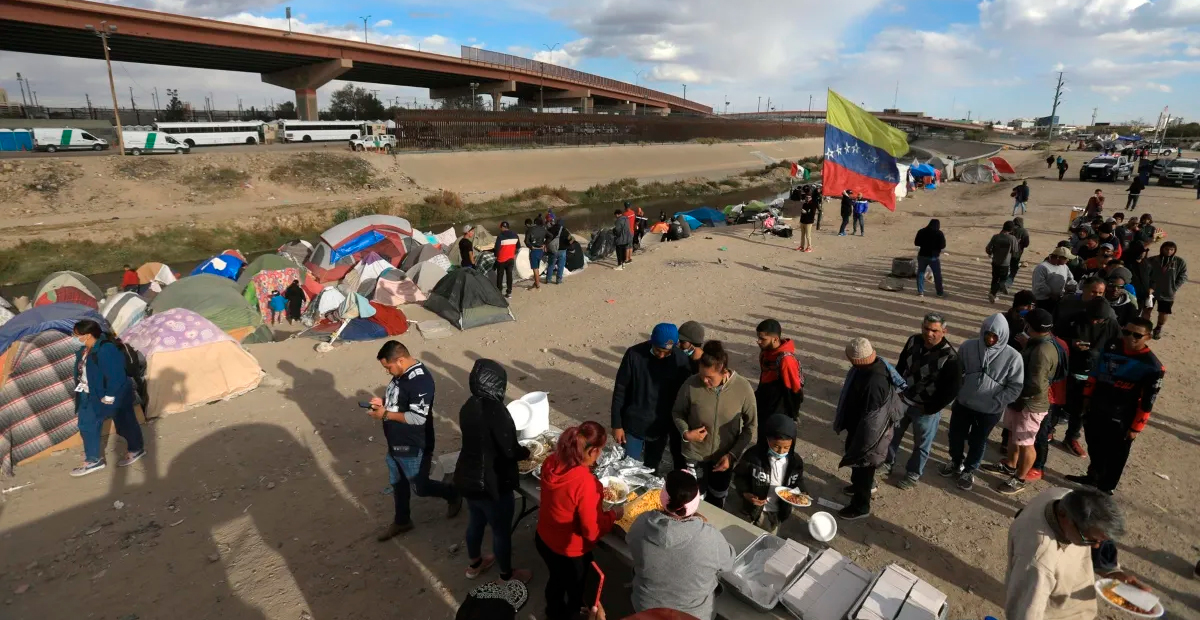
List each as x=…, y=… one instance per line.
x=891, y=117
x=304, y=62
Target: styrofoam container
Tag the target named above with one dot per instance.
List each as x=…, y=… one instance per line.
x=539, y=414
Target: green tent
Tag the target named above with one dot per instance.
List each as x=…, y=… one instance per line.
x=219, y=300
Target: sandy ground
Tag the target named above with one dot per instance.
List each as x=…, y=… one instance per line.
x=44, y=198
x=265, y=506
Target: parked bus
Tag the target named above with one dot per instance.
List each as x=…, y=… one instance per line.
x=205, y=134
x=315, y=131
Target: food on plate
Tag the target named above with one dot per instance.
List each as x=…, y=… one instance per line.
x=537, y=455
x=1110, y=593
x=646, y=502
x=616, y=492
x=793, y=497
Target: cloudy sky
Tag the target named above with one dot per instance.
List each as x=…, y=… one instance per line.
x=993, y=59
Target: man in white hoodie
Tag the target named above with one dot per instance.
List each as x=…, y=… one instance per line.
x=993, y=376
x=1052, y=279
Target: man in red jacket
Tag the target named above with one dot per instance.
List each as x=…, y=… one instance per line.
x=130, y=281
x=507, y=244
x=632, y=218
x=780, y=382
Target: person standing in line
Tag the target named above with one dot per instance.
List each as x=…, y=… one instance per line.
x=1095, y=205
x=294, y=294
x=931, y=368
x=716, y=415
x=780, y=380
x=808, y=218
x=571, y=517
x=103, y=390
x=846, y=211
x=1014, y=262
x=631, y=218
x=867, y=409
x=1139, y=272
x=768, y=464
x=1118, y=399
x=486, y=473
x=558, y=241
x=1122, y=302
x=130, y=281
x=1052, y=279
x=860, y=215
x=277, y=305
x=1022, y=303
x=647, y=382
x=1020, y=195
x=507, y=245
x=466, y=248
x=406, y=411
x=1135, y=192
x=1147, y=232
x=993, y=377
x=535, y=240
x=1023, y=417
x=1120, y=231
x=1087, y=332
x=691, y=341
x=1168, y=273
x=1062, y=168
x=641, y=223
x=622, y=238
x=1000, y=248
x=930, y=242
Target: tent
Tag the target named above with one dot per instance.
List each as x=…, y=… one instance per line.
x=156, y=275
x=1002, y=165
x=394, y=289
x=60, y=279
x=298, y=250
x=483, y=241
x=693, y=223
x=977, y=172
x=219, y=300
x=420, y=255
x=601, y=245
x=426, y=275
x=267, y=262
x=123, y=311
x=467, y=299
x=385, y=322
x=190, y=362
x=447, y=237
x=343, y=245
x=66, y=295
x=365, y=275
x=902, y=186
x=7, y=312
x=225, y=266
x=920, y=170
x=706, y=216
x=522, y=270
x=265, y=283
x=37, y=394
x=54, y=317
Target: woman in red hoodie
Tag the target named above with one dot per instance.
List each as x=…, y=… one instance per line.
x=570, y=517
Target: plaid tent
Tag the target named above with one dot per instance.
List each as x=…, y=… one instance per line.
x=37, y=389
x=67, y=295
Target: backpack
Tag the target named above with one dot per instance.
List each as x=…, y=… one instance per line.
x=135, y=369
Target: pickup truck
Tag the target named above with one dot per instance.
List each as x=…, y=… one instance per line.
x=1106, y=169
x=385, y=142
x=1179, y=172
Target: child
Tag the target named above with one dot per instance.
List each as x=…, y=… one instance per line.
x=769, y=464
x=277, y=305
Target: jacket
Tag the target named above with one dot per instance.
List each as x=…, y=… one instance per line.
x=1080, y=326
x=487, y=463
x=130, y=278
x=868, y=409
x=780, y=382
x=1123, y=387
x=1022, y=236
x=105, y=370
x=1021, y=193
x=729, y=413
x=1136, y=186
x=847, y=206
x=507, y=244
x=676, y=562
x=645, y=389
x=994, y=376
x=753, y=475
x=622, y=235
x=1051, y=281
x=1125, y=306
x=930, y=240
x=1167, y=275
x=1047, y=577
x=1001, y=248
x=632, y=217
x=1041, y=359
x=1140, y=272
x=535, y=237
x=571, y=518
x=933, y=375
x=808, y=211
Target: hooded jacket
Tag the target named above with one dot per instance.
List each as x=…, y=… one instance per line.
x=868, y=409
x=1085, y=325
x=729, y=413
x=1041, y=359
x=487, y=464
x=1139, y=270
x=571, y=518
x=622, y=233
x=753, y=474
x=1001, y=248
x=992, y=376
x=645, y=389
x=1167, y=274
x=676, y=562
x=1051, y=281
x=930, y=240
x=780, y=382
x=1125, y=306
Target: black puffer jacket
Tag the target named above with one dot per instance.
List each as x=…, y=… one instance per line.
x=487, y=465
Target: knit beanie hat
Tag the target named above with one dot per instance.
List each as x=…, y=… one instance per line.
x=859, y=351
x=692, y=333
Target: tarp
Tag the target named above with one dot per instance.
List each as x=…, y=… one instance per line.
x=54, y=317
x=693, y=223
x=447, y=237
x=706, y=216
x=225, y=266
x=66, y=295
x=326, y=271
x=356, y=330
x=575, y=257
x=923, y=170
x=190, y=362
x=394, y=289
x=902, y=186
x=389, y=225
x=1002, y=165
x=219, y=300
x=37, y=390
x=123, y=311
x=426, y=275
x=155, y=272
x=392, y=320
x=357, y=244
x=601, y=245
x=467, y=299
x=522, y=269
x=60, y=279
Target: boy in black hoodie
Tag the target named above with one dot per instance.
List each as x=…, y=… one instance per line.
x=766, y=465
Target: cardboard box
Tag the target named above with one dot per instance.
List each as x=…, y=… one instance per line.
x=898, y=577
x=803, y=594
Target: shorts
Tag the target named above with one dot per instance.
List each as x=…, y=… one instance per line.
x=535, y=259
x=1164, y=305
x=1023, y=425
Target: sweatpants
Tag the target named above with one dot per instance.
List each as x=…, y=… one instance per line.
x=505, y=270
x=999, y=279
x=564, y=582
x=1108, y=449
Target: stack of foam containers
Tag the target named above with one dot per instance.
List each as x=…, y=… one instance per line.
x=900, y=595
x=783, y=564
x=828, y=589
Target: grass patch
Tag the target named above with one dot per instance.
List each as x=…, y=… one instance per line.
x=48, y=181
x=326, y=170
x=215, y=180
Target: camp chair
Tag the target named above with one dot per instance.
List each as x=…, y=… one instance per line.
x=763, y=222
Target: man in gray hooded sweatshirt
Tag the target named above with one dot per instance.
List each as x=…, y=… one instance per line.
x=993, y=376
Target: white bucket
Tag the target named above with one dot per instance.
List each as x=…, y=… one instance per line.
x=539, y=421
x=521, y=414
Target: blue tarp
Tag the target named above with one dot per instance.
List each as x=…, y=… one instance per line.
x=225, y=265
x=1133, y=138
x=356, y=244
x=57, y=317
x=356, y=330
x=707, y=216
x=923, y=170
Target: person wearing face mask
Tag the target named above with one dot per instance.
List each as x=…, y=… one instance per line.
x=766, y=465
x=676, y=553
x=691, y=339
x=717, y=416
x=103, y=390
x=644, y=392
x=1168, y=273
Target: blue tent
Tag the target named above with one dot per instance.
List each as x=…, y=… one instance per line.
x=225, y=265
x=706, y=216
x=923, y=170
x=692, y=222
x=57, y=317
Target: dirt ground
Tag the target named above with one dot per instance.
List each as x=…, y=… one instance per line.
x=264, y=507
x=108, y=196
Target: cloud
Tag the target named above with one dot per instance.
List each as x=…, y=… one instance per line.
x=1114, y=92
x=435, y=43
x=1162, y=88
x=383, y=23
x=198, y=8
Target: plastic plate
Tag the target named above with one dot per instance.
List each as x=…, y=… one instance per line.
x=804, y=502
x=1101, y=584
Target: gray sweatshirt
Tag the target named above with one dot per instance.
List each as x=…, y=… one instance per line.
x=992, y=376
x=1051, y=281
x=675, y=563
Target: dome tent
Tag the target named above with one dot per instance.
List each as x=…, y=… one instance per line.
x=266, y=262
x=123, y=311
x=66, y=295
x=157, y=275
x=467, y=299
x=60, y=279
x=394, y=289
x=342, y=246
x=219, y=300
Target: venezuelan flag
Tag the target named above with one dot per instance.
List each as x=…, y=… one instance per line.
x=860, y=153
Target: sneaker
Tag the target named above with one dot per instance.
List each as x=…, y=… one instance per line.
x=808, y=250
x=841, y=234
x=454, y=506
x=920, y=293
x=131, y=458
x=1000, y=468
x=485, y=563
x=885, y=470
x=524, y=575
x=1074, y=447
x=1157, y=333
x=950, y=470
x=966, y=481
x=908, y=482
x=621, y=268
x=1083, y=480
x=941, y=294
x=991, y=298
x=849, y=490
x=394, y=530
x=508, y=295
x=88, y=467
x=853, y=514
x=1012, y=486
x=1034, y=474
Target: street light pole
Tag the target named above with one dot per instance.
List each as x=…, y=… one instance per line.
x=542, y=72
x=103, y=31
x=365, y=27
x=685, y=92
x=474, y=85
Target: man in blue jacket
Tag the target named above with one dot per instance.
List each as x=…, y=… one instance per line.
x=648, y=379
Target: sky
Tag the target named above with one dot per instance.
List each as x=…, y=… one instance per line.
x=991, y=59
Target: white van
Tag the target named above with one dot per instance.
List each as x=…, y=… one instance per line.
x=138, y=142
x=52, y=139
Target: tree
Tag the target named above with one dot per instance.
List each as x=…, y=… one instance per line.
x=286, y=110
x=353, y=103
x=175, y=109
x=462, y=103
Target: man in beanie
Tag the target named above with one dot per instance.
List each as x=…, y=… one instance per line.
x=648, y=379
x=780, y=382
x=868, y=408
x=770, y=463
x=691, y=340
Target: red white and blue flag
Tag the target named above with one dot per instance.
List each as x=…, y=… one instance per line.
x=860, y=153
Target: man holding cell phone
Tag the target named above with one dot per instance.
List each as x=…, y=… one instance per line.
x=406, y=411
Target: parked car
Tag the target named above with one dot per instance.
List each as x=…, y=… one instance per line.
x=386, y=142
x=52, y=139
x=1106, y=169
x=1180, y=172
x=138, y=142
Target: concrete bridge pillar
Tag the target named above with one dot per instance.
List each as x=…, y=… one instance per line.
x=305, y=80
x=496, y=101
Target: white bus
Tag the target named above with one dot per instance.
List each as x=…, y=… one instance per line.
x=205, y=134
x=314, y=131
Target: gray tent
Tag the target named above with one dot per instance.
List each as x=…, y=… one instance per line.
x=418, y=255
x=467, y=299
x=426, y=275
x=977, y=172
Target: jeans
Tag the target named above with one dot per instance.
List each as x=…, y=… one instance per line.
x=999, y=278
x=860, y=224
x=648, y=451
x=846, y=220
x=505, y=269
x=861, y=480
x=91, y=423
x=1041, y=444
x=558, y=261
x=415, y=469
x=564, y=583
x=621, y=254
x=498, y=514
x=934, y=263
x=714, y=485
x=972, y=428
x=1019, y=205
x=925, y=427
x=1131, y=202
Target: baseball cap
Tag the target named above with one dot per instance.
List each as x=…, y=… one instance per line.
x=1039, y=320
x=664, y=336
x=1063, y=252
x=1106, y=245
x=467, y=229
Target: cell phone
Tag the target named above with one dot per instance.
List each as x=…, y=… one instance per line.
x=364, y=404
x=593, y=585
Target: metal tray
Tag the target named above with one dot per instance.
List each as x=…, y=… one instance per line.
x=862, y=598
x=764, y=540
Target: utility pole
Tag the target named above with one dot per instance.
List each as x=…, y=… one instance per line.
x=685, y=92
x=21, y=85
x=473, y=85
x=1094, y=117
x=365, y=27
x=89, y=104
x=133, y=104
x=758, y=108
x=896, y=97
x=810, y=103
x=542, y=66
x=1057, y=100
x=154, y=95
x=726, y=104
x=103, y=31
x=287, y=10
